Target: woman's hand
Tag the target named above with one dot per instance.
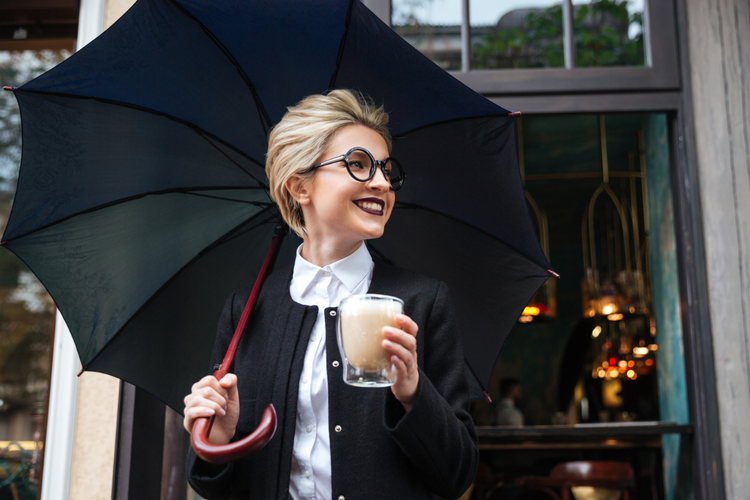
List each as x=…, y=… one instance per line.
x=402, y=345
x=213, y=397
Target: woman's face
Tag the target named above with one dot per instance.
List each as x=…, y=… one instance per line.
x=340, y=207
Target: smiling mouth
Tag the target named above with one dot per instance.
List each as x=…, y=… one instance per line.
x=372, y=206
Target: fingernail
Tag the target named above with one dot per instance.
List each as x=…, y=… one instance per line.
x=209, y=412
x=388, y=330
x=387, y=344
x=222, y=412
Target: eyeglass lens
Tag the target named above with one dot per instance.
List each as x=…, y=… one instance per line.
x=360, y=166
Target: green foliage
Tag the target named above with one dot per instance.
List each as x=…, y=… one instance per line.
x=601, y=39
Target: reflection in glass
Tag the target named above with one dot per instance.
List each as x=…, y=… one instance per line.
x=516, y=34
x=608, y=33
x=431, y=26
x=26, y=310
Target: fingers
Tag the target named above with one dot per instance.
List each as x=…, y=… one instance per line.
x=209, y=397
x=407, y=324
x=407, y=356
x=229, y=383
x=407, y=340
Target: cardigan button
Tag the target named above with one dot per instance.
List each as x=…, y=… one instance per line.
x=337, y=428
x=333, y=313
x=335, y=364
x=341, y=497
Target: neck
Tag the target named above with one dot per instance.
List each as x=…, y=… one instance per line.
x=325, y=252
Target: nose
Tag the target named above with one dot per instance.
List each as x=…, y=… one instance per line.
x=379, y=181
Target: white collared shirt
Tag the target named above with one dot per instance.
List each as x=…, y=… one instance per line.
x=323, y=287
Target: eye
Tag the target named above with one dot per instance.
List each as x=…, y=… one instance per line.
x=357, y=165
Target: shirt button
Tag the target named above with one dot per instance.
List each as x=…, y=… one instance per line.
x=335, y=364
x=313, y=338
x=327, y=273
x=304, y=380
x=307, y=473
x=337, y=428
x=309, y=428
x=333, y=313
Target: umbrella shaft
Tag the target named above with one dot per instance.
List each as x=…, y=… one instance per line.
x=270, y=256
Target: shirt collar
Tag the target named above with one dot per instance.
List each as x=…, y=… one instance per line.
x=350, y=270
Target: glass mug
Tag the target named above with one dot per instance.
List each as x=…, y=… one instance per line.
x=360, y=337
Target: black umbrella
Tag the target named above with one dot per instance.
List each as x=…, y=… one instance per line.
x=142, y=199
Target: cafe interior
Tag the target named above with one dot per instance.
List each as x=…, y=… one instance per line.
x=594, y=366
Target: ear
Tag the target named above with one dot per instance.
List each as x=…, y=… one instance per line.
x=298, y=190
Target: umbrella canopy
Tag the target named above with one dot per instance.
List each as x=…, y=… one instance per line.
x=142, y=200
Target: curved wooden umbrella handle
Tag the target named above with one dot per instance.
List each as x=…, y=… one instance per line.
x=221, y=454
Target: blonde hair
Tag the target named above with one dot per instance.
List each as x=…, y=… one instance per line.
x=302, y=136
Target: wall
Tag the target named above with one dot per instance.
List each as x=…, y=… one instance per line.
x=719, y=53
x=98, y=397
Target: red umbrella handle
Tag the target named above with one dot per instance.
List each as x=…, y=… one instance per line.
x=221, y=454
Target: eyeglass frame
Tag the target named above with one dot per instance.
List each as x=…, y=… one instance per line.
x=373, y=169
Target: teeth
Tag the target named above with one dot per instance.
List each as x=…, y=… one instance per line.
x=370, y=206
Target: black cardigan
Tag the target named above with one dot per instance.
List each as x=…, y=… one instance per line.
x=379, y=450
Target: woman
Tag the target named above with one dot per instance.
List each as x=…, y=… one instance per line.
x=413, y=440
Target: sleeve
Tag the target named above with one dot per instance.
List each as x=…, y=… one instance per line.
x=437, y=434
x=211, y=481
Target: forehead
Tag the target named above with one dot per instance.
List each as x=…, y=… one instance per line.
x=358, y=136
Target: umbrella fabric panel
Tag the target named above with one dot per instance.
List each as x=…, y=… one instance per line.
x=157, y=57
x=166, y=346
x=81, y=153
x=109, y=262
x=477, y=182
x=287, y=49
x=490, y=282
x=413, y=89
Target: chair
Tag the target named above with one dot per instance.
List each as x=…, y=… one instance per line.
x=617, y=476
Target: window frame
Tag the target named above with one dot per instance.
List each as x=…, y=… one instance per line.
x=660, y=72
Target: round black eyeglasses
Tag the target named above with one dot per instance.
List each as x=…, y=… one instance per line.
x=362, y=167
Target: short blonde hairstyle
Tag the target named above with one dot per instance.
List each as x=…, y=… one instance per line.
x=302, y=136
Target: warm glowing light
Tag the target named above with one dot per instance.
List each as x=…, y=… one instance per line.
x=531, y=311
x=640, y=351
x=631, y=374
x=649, y=362
x=615, y=317
x=592, y=313
x=596, y=331
x=614, y=373
x=622, y=363
x=623, y=369
x=632, y=309
x=601, y=373
x=631, y=363
x=526, y=319
x=653, y=347
x=605, y=364
x=608, y=309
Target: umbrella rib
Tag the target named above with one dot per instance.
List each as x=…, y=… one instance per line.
x=201, y=132
x=340, y=54
x=207, y=139
x=221, y=240
x=378, y=253
x=223, y=198
x=237, y=235
x=265, y=121
x=135, y=197
x=413, y=206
